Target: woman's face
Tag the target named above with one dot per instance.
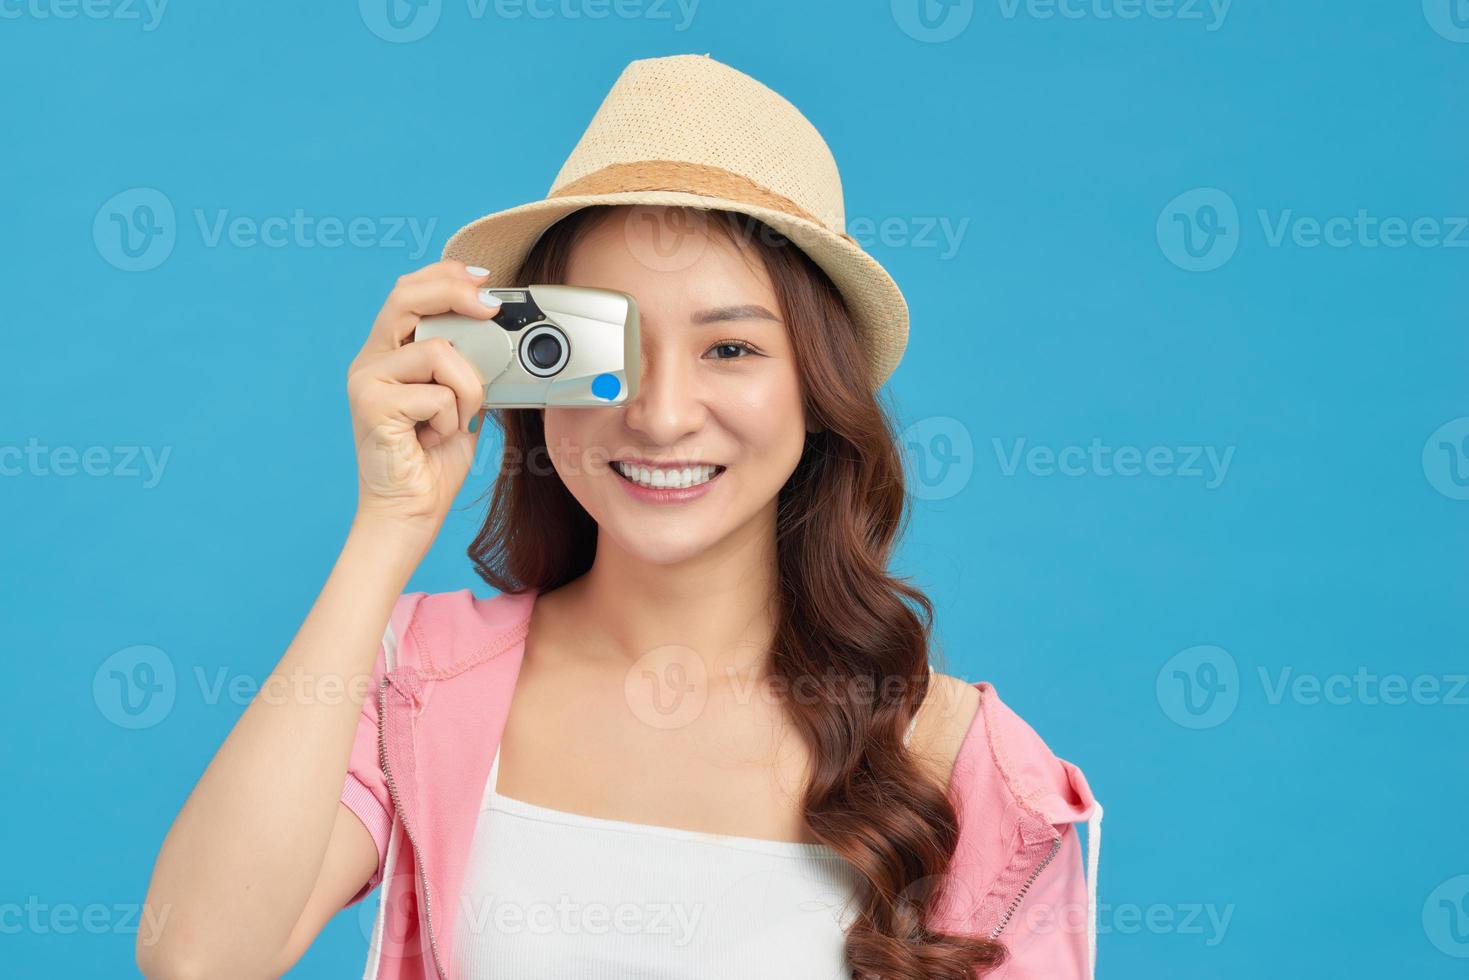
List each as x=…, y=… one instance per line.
x=718, y=387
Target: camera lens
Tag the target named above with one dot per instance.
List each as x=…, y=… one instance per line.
x=544, y=349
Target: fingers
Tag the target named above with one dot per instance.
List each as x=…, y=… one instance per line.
x=433, y=404
x=439, y=288
x=445, y=268
x=432, y=363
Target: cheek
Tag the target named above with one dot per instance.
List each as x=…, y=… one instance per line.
x=767, y=419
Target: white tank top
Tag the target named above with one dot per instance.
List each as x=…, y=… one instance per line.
x=555, y=895
x=550, y=894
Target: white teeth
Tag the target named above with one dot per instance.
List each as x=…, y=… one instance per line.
x=689, y=476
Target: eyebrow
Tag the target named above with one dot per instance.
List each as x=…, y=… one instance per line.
x=746, y=311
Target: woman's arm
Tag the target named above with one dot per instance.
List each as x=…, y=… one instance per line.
x=263, y=852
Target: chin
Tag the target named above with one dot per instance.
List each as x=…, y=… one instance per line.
x=671, y=545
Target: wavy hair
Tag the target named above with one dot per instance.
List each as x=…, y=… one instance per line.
x=840, y=616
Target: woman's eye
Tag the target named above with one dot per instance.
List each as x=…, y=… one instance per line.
x=731, y=350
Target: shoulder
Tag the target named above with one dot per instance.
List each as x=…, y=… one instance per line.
x=442, y=632
x=1003, y=764
x=942, y=724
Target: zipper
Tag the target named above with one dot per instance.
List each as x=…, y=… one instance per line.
x=1020, y=895
x=382, y=755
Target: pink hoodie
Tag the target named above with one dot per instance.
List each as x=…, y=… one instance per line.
x=428, y=733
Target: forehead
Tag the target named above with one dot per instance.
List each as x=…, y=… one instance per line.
x=669, y=259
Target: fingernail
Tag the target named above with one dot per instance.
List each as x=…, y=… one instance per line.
x=478, y=271
x=474, y=422
x=489, y=300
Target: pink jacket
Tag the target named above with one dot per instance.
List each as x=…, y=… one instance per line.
x=428, y=733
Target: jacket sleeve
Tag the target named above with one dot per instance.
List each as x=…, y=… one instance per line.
x=1050, y=936
x=365, y=789
x=1022, y=811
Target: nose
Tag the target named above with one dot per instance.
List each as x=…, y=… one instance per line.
x=669, y=404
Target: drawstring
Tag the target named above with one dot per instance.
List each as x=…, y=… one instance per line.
x=1093, y=853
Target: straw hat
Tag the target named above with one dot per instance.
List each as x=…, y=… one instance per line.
x=689, y=130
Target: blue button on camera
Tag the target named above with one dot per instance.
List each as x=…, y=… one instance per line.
x=606, y=386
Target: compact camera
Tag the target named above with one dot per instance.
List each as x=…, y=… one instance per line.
x=549, y=345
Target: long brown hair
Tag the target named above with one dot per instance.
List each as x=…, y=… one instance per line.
x=841, y=615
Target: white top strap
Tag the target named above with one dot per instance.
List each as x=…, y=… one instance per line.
x=913, y=722
x=1093, y=856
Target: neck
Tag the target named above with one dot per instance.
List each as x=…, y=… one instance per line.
x=719, y=603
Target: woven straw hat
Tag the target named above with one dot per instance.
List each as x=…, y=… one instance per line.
x=689, y=130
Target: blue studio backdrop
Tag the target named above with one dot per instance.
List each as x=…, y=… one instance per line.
x=1185, y=404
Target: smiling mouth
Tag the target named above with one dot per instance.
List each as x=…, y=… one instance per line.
x=671, y=478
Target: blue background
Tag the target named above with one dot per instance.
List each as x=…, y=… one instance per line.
x=1333, y=543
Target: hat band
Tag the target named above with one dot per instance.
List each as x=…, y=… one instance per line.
x=688, y=178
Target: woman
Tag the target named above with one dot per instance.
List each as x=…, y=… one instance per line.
x=696, y=733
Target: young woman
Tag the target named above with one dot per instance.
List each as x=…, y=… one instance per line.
x=696, y=733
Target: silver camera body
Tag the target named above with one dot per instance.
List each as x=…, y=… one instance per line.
x=549, y=345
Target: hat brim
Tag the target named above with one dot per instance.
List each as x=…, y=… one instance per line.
x=500, y=241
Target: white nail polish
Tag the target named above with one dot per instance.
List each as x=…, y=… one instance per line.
x=477, y=271
x=489, y=299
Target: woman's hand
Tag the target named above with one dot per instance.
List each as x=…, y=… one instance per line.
x=413, y=402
